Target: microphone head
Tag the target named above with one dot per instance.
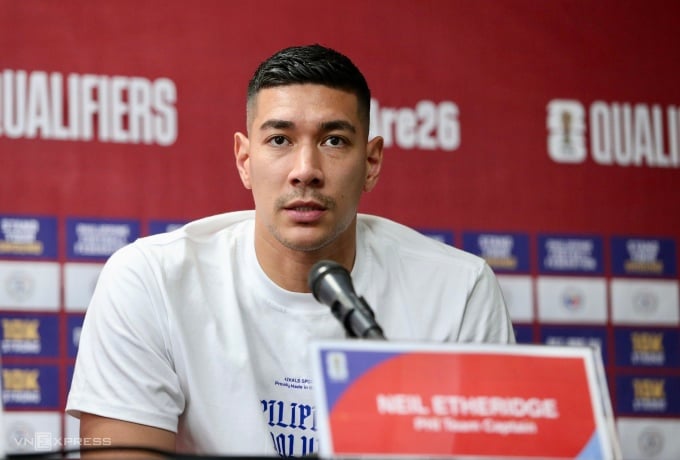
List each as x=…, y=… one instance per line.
x=329, y=280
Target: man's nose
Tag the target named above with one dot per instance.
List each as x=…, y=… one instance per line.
x=307, y=168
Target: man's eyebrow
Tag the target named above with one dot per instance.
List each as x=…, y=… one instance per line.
x=340, y=125
x=277, y=124
x=331, y=125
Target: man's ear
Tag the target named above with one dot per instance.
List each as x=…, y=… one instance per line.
x=242, y=154
x=374, y=157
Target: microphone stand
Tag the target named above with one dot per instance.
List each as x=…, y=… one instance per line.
x=331, y=284
x=359, y=321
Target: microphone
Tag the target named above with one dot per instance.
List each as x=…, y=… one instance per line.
x=331, y=284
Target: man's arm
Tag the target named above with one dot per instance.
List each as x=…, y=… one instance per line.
x=486, y=317
x=109, y=432
x=123, y=364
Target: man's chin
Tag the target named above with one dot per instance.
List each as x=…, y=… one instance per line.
x=305, y=240
x=304, y=245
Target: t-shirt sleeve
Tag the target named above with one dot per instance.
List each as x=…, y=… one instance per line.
x=124, y=368
x=486, y=317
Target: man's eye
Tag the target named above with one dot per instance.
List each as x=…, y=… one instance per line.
x=335, y=141
x=278, y=140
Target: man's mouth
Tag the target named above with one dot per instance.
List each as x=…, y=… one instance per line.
x=304, y=208
x=304, y=212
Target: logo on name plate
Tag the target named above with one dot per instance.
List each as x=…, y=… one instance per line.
x=336, y=366
x=19, y=285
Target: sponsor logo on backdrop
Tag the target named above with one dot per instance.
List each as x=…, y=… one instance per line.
x=621, y=134
x=426, y=126
x=29, y=285
x=649, y=394
x=566, y=131
x=645, y=302
x=98, y=238
x=86, y=107
x=32, y=431
x=21, y=335
x=575, y=337
x=570, y=254
x=21, y=386
x=29, y=335
x=20, y=235
x=648, y=347
x=497, y=250
x=30, y=387
x=570, y=336
x=651, y=441
x=504, y=252
x=28, y=237
x=19, y=285
x=572, y=298
x=18, y=434
x=643, y=256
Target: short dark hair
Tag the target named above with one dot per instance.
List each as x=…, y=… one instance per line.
x=314, y=64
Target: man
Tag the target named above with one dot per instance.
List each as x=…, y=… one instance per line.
x=193, y=338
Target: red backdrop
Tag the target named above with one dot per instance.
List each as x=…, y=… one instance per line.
x=492, y=70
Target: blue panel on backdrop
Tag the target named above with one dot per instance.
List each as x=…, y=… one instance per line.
x=648, y=395
x=504, y=252
x=29, y=335
x=559, y=254
x=645, y=257
x=577, y=336
x=523, y=333
x=97, y=239
x=28, y=237
x=30, y=387
x=647, y=347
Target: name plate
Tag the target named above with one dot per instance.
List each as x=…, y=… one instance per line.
x=391, y=399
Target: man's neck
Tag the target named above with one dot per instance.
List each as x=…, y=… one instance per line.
x=289, y=268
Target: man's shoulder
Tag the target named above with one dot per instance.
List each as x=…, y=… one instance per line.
x=202, y=230
x=407, y=243
x=206, y=237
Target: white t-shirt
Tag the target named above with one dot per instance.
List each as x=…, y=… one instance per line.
x=185, y=331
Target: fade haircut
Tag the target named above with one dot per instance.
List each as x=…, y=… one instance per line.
x=313, y=64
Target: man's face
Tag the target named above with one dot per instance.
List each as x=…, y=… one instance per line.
x=307, y=161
